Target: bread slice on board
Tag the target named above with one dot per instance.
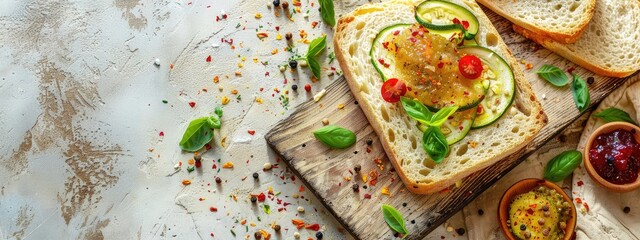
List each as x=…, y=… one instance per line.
x=397, y=131
x=610, y=46
x=560, y=20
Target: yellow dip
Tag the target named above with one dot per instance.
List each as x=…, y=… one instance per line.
x=539, y=214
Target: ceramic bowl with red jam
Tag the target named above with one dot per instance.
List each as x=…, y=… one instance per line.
x=612, y=156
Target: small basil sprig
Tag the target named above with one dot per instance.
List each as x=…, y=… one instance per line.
x=315, y=47
x=335, y=137
x=327, y=12
x=613, y=114
x=580, y=93
x=394, y=219
x=562, y=165
x=433, y=141
x=200, y=132
x=553, y=75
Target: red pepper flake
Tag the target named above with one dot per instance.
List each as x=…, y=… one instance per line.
x=192, y=104
x=396, y=32
x=208, y=58
x=586, y=206
x=367, y=196
x=262, y=197
x=314, y=24
x=298, y=222
x=301, y=189
x=570, y=70
x=307, y=87
x=277, y=28
x=530, y=211
x=207, y=147
x=161, y=134
x=465, y=24
x=578, y=200
x=198, y=164
x=580, y=183
x=252, y=132
x=440, y=64
x=314, y=227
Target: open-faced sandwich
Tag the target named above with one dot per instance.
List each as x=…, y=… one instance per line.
x=439, y=86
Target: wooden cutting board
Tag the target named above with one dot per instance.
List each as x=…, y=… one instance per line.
x=329, y=173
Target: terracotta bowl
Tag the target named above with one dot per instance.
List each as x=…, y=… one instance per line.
x=609, y=127
x=524, y=186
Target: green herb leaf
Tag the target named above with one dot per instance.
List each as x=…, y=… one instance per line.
x=316, y=46
x=198, y=133
x=394, y=219
x=218, y=110
x=416, y=110
x=441, y=116
x=335, y=137
x=435, y=144
x=553, y=75
x=613, y=114
x=214, y=121
x=327, y=12
x=562, y=165
x=314, y=66
x=267, y=209
x=580, y=93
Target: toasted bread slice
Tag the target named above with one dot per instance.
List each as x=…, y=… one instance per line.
x=397, y=131
x=560, y=20
x=610, y=46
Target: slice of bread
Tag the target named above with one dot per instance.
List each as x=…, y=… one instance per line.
x=610, y=46
x=560, y=20
x=397, y=131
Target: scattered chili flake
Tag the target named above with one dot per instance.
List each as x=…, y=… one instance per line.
x=213, y=209
x=192, y=104
x=314, y=227
x=198, y=164
x=314, y=24
x=340, y=106
x=385, y=191
x=580, y=183
x=301, y=189
x=261, y=197
x=208, y=58
x=252, y=132
x=262, y=35
x=186, y=182
x=225, y=100
x=298, y=223
x=367, y=196
x=258, y=15
x=307, y=87
x=216, y=79
x=265, y=234
x=227, y=165
x=473, y=144
x=578, y=200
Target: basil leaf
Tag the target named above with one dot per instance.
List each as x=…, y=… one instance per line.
x=442, y=115
x=553, y=75
x=327, y=12
x=335, y=137
x=435, y=144
x=416, y=110
x=562, y=165
x=613, y=114
x=316, y=46
x=394, y=219
x=314, y=66
x=198, y=133
x=580, y=93
x=218, y=111
x=214, y=121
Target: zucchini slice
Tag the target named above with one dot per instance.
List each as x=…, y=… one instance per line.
x=456, y=127
x=382, y=58
x=499, y=80
x=441, y=15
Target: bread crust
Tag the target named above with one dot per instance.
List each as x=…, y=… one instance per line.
x=561, y=37
x=563, y=51
x=525, y=96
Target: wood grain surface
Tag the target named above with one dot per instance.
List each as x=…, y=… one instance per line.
x=330, y=175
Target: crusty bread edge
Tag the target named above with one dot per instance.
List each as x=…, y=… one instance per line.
x=428, y=188
x=564, y=52
x=557, y=36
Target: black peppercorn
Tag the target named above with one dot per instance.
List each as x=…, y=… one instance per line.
x=626, y=209
x=523, y=227
x=277, y=228
x=288, y=36
x=460, y=231
x=294, y=87
x=404, y=204
x=276, y=3
x=218, y=180
x=257, y=235
x=356, y=187
x=197, y=157
x=369, y=142
x=480, y=212
x=293, y=64
x=590, y=80
x=254, y=199
x=255, y=175
x=357, y=168
x=319, y=235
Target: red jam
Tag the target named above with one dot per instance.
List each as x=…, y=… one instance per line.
x=616, y=156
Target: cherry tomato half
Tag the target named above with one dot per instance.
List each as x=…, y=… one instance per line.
x=393, y=89
x=470, y=66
